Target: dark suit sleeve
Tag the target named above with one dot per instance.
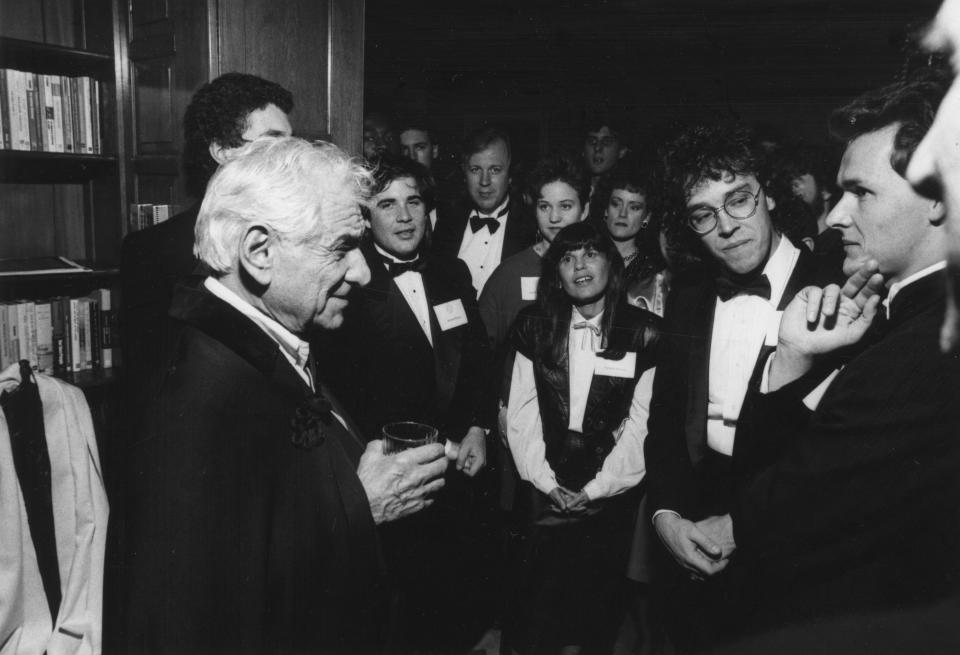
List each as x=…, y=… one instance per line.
x=473, y=385
x=670, y=476
x=874, y=464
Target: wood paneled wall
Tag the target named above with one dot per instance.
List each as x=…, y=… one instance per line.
x=312, y=47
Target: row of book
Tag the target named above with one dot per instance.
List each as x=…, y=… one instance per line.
x=59, y=335
x=49, y=113
x=145, y=215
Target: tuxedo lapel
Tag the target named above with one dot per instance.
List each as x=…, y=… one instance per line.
x=447, y=345
x=802, y=275
x=698, y=388
x=387, y=307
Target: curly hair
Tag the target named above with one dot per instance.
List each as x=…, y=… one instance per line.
x=217, y=113
x=702, y=153
x=559, y=168
x=911, y=102
x=553, y=302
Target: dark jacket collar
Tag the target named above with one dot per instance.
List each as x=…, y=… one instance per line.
x=204, y=311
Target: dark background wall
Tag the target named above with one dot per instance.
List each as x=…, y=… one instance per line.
x=539, y=65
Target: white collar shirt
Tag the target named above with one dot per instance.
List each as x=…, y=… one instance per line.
x=411, y=287
x=482, y=251
x=582, y=345
x=741, y=326
x=294, y=349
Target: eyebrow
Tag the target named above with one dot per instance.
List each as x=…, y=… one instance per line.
x=743, y=187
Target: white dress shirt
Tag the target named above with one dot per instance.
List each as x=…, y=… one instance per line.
x=480, y=250
x=293, y=348
x=410, y=284
x=623, y=467
x=741, y=326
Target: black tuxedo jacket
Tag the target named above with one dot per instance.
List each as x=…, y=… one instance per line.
x=385, y=368
x=234, y=538
x=854, y=508
x=452, y=220
x=676, y=450
x=153, y=261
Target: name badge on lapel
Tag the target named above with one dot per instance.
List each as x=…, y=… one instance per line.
x=528, y=288
x=616, y=368
x=450, y=314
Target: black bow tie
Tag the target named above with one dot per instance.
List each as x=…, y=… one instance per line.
x=728, y=288
x=477, y=223
x=396, y=268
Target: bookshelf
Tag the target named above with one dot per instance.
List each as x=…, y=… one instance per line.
x=68, y=204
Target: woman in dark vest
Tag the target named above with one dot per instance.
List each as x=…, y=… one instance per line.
x=576, y=422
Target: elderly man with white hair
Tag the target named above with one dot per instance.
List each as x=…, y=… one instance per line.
x=252, y=505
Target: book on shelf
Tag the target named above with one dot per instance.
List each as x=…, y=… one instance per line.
x=49, y=113
x=145, y=214
x=59, y=335
x=40, y=266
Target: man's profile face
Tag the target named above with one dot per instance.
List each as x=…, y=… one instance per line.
x=398, y=218
x=488, y=176
x=378, y=137
x=311, y=281
x=269, y=120
x=879, y=214
x=935, y=166
x=416, y=145
x=602, y=150
x=739, y=245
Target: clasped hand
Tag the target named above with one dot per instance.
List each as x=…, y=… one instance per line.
x=703, y=548
x=569, y=502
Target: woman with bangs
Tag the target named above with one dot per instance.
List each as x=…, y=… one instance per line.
x=576, y=422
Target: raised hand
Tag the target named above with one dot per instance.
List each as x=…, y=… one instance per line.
x=400, y=484
x=818, y=321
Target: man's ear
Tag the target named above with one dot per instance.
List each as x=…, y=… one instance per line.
x=771, y=203
x=434, y=151
x=938, y=212
x=218, y=152
x=623, y=152
x=257, y=253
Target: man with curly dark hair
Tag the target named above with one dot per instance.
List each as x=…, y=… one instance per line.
x=222, y=116
x=718, y=212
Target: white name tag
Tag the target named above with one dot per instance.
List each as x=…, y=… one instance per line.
x=450, y=314
x=616, y=368
x=528, y=288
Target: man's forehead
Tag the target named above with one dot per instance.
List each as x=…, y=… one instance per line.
x=495, y=150
x=707, y=187
x=414, y=135
x=868, y=155
x=602, y=132
x=400, y=185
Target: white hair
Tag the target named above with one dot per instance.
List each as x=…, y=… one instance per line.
x=283, y=183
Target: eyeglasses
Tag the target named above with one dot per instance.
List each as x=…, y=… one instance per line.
x=739, y=205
